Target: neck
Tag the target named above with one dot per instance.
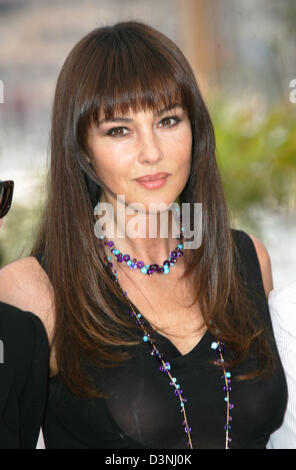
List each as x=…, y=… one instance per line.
x=149, y=237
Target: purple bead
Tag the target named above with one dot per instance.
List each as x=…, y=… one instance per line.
x=140, y=264
x=150, y=271
x=166, y=262
x=119, y=258
x=153, y=266
x=126, y=257
x=110, y=244
x=174, y=254
x=160, y=270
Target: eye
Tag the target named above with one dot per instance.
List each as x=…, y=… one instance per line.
x=169, y=118
x=114, y=132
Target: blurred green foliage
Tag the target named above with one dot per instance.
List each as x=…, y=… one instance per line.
x=256, y=155
x=19, y=228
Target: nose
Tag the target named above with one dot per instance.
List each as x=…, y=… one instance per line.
x=150, y=152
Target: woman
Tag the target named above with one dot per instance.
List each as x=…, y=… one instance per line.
x=24, y=356
x=146, y=351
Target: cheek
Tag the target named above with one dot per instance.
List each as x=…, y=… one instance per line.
x=182, y=148
x=110, y=166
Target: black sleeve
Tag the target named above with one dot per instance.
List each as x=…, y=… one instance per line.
x=23, y=377
x=34, y=393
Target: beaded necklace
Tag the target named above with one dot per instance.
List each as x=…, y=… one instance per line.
x=165, y=366
x=149, y=269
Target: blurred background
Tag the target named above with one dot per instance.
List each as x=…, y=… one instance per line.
x=243, y=53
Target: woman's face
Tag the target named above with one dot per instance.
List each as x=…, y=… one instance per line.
x=139, y=144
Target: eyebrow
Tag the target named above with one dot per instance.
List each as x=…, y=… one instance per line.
x=157, y=113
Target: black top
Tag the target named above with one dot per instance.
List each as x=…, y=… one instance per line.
x=141, y=409
x=24, y=372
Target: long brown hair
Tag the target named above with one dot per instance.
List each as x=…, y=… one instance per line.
x=130, y=66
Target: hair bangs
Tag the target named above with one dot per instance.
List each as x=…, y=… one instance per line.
x=134, y=81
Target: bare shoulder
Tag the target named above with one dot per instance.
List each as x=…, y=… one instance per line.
x=265, y=264
x=25, y=285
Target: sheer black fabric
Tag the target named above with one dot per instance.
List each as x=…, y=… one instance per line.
x=141, y=409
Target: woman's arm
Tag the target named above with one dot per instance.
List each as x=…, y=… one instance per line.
x=265, y=264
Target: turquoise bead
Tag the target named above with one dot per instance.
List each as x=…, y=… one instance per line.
x=129, y=262
x=228, y=375
x=109, y=258
x=144, y=270
x=214, y=345
x=145, y=339
x=180, y=245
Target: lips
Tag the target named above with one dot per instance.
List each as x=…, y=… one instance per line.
x=153, y=177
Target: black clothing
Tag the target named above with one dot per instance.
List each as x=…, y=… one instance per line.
x=142, y=411
x=24, y=370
